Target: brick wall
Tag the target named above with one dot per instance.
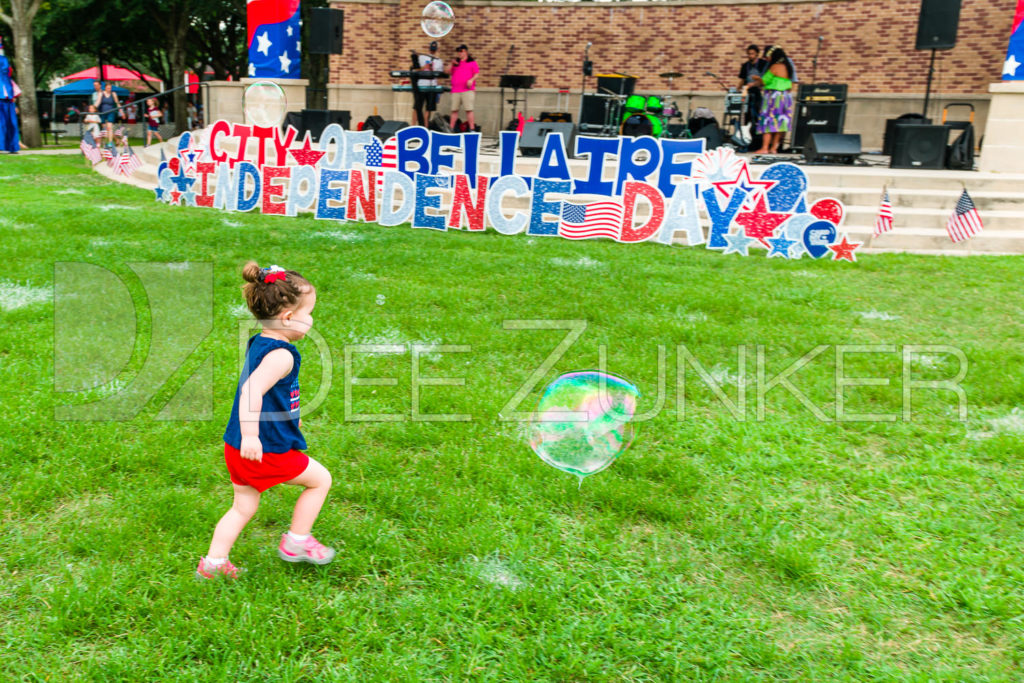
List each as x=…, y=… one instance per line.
x=868, y=43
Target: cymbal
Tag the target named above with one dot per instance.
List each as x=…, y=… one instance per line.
x=670, y=74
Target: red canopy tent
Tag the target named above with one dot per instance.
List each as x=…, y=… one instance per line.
x=114, y=73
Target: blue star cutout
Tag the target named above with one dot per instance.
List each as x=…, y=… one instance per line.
x=188, y=198
x=780, y=246
x=738, y=242
x=159, y=194
x=181, y=181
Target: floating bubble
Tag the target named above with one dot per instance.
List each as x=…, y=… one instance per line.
x=438, y=19
x=583, y=422
x=381, y=299
x=264, y=104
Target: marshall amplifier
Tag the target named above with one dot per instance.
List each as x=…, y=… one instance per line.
x=817, y=117
x=822, y=92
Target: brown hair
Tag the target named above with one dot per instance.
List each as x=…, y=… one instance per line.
x=267, y=299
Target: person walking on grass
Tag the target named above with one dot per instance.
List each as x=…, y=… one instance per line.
x=263, y=443
x=153, y=116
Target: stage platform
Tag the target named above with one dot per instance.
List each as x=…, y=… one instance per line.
x=922, y=200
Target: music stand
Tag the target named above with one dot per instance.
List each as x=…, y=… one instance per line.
x=516, y=83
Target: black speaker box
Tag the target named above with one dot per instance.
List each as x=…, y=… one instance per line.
x=531, y=141
x=712, y=133
x=919, y=146
x=373, y=123
x=342, y=117
x=817, y=117
x=390, y=128
x=890, y=129
x=326, y=27
x=592, y=112
x=937, y=24
x=832, y=148
x=556, y=116
x=293, y=119
x=314, y=121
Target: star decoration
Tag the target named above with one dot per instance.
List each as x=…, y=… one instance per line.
x=188, y=198
x=844, y=250
x=760, y=223
x=264, y=44
x=252, y=69
x=780, y=246
x=285, y=62
x=175, y=197
x=159, y=193
x=1010, y=67
x=306, y=155
x=744, y=180
x=181, y=181
x=289, y=30
x=738, y=243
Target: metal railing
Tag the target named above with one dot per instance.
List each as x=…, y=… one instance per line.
x=204, y=98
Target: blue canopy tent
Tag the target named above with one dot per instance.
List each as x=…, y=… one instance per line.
x=85, y=87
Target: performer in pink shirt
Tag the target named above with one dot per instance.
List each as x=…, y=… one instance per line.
x=464, y=71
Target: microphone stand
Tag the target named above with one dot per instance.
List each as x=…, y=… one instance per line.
x=814, y=74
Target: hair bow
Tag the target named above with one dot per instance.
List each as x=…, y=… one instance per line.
x=273, y=274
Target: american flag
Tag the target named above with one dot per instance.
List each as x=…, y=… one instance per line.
x=884, y=221
x=965, y=222
x=88, y=147
x=106, y=153
x=597, y=219
x=382, y=157
x=127, y=163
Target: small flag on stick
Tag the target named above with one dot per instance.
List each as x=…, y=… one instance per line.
x=965, y=222
x=884, y=221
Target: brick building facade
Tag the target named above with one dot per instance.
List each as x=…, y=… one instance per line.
x=868, y=44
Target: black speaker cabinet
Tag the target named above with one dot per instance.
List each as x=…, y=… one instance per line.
x=531, y=142
x=890, y=129
x=342, y=117
x=832, y=148
x=712, y=133
x=556, y=117
x=389, y=128
x=326, y=27
x=592, y=113
x=817, y=117
x=373, y=123
x=919, y=146
x=937, y=24
x=314, y=121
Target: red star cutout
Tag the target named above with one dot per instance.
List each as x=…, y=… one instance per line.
x=844, y=250
x=175, y=196
x=306, y=155
x=743, y=179
x=760, y=223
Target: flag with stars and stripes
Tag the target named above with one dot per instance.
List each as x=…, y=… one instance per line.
x=89, y=149
x=108, y=154
x=382, y=157
x=1012, y=67
x=274, y=31
x=127, y=163
x=884, y=221
x=596, y=219
x=965, y=222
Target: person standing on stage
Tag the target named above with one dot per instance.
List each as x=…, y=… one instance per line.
x=426, y=100
x=754, y=66
x=777, y=106
x=464, y=71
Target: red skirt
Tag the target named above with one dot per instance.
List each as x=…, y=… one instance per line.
x=274, y=469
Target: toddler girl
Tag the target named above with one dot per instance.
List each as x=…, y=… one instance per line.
x=262, y=443
x=92, y=122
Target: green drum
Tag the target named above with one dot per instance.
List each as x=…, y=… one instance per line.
x=635, y=125
x=635, y=104
x=654, y=105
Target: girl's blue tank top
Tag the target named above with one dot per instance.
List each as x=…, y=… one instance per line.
x=279, y=419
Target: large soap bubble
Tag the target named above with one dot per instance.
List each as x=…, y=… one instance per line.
x=583, y=422
x=438, y=19
x=264, y=104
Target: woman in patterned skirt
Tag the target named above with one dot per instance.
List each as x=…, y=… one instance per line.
x=777, y=105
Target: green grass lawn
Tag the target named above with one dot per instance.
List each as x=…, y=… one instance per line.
x=782, y=548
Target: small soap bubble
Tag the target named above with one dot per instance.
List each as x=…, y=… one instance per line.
x=381, y=299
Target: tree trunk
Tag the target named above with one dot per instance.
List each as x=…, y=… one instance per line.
x=178, y=78
x=20, y=21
